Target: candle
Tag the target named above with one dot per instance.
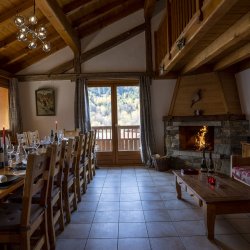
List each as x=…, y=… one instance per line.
x=3, y=135
x=56, y=125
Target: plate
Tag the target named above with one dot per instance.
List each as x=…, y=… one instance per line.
x=10, y=179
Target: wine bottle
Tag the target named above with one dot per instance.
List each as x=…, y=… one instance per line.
x=211, y=163
x=1, y=155
x=203, y=162
x=51, y=136
x=56, y=137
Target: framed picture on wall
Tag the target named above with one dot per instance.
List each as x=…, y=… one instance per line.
x=45, y=102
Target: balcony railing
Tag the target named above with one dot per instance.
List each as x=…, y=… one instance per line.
x=128, y=138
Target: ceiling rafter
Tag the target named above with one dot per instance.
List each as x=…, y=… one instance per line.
x=100, y=49
x=6, y=16
x=103, y=9
x=107, y=18
x=149, y=7
x=54, y=14
x=74, y=6
x=237, y=32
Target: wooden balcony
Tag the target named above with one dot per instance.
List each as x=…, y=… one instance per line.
x=128, y=138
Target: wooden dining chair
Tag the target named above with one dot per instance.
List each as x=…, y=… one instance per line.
x=69, y=178
x=85, y=157
x=71, y=133
x=55, y=202
x=22, y=138
x=81, y=180
x=32, y=137
x=21, y=221
x=91, y=154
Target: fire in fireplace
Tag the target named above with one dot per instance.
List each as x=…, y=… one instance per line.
x=196, y=138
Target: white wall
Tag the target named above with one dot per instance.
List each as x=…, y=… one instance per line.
x=64, y=97
x=161, y=94
x=243, y=84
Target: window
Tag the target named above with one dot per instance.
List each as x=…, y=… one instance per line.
x=4, y=108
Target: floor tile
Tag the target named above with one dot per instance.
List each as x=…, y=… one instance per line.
x=131, y=216
x=108, y=206
x=70, y=244
x=76, y=231
x=131, y=230
x=130, y=205
x=190, y=228
x=241, y=225
x=101, y=244
x=236, y=242
x=161, y=229
x=186, y=214
x=87, y=206
x=134, y=244
x=104, y=230
x=178, y=204
x=168, y=243
x=82, y=217
x=199, y=242
x=106, y=216
x=150, y=197
x=130, y=197
x=110, y=197
x=150, y=205
x=156, y=215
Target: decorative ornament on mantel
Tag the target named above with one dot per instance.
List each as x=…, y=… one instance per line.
x=31, y=33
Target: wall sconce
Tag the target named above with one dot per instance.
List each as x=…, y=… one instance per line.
x=181, y=43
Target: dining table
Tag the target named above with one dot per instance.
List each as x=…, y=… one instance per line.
x=12, y=185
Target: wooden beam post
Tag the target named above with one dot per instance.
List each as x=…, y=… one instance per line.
x=54, y=14
x=149, y=7
x=148, y=41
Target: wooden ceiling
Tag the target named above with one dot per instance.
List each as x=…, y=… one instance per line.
x=67, y=21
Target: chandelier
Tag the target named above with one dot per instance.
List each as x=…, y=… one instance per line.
x=31, y=33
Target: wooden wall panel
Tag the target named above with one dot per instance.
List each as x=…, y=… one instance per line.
x=219, y=95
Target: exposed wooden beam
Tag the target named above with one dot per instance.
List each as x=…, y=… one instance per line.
x=4, y=74
x=20, y=8
x=107, y=7
x=72, y=76
x=100, y=48
x=149, y=7
x=148, y=43
x=234, y=57
x=107, y=18
x=195, y=30
x=237, y=32
x=53, y=12
x=74, y=6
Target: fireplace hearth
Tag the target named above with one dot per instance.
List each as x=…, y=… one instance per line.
x=225, y=132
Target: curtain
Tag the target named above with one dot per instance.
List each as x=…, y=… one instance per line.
x=147, y=134
x=14, y=106
x=82, y=117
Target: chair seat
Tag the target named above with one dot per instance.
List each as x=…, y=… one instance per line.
x=10, y=215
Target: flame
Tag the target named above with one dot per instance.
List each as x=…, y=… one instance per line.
x=200, y=138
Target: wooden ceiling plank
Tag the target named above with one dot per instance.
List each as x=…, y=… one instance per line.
x=74, y=6
x=4, y=74
x=100, y=48
x=195, y=30
x=107, y=19
x=96, y=12
x=236, y=33
x=54, y=14
x=19, y=9
x=233, y=58
x=149, y=7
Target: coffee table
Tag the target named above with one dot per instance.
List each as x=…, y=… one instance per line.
x=226, y=197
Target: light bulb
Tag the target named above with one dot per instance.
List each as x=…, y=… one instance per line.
x=19, y=21
x=41, y=35
x=42, y=29
x=24, y=29
x=46, y=47
x=32, y=44
x=33, y=20
x=21, y=37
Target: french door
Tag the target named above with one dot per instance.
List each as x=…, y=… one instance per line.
x=115, y=114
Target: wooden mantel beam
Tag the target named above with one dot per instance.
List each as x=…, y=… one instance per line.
x=195, y=30
x=55, y=15
x=149, y=7
x=236, y=33
x=235, y=57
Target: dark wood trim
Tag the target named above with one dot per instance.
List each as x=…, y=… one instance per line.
x=5, y=74
x=72, y=76
x=74, y=6
x=223, y=117
x=100, y=48
x=149, y=7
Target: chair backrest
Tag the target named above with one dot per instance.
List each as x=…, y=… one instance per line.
x=87, y=146
x=93, y=141
x=32, y=136
x=36, y=182
x=71, y=133
x=68, y=152
x=80, y=149
x=22, y=138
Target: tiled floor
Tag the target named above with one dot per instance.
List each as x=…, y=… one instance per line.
x=136, y=208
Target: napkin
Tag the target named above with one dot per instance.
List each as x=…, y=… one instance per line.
x=3, y=178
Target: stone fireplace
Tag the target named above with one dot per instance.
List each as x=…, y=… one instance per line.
x=224, y=136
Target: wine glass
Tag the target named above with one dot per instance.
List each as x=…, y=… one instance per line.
x=10, y=150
